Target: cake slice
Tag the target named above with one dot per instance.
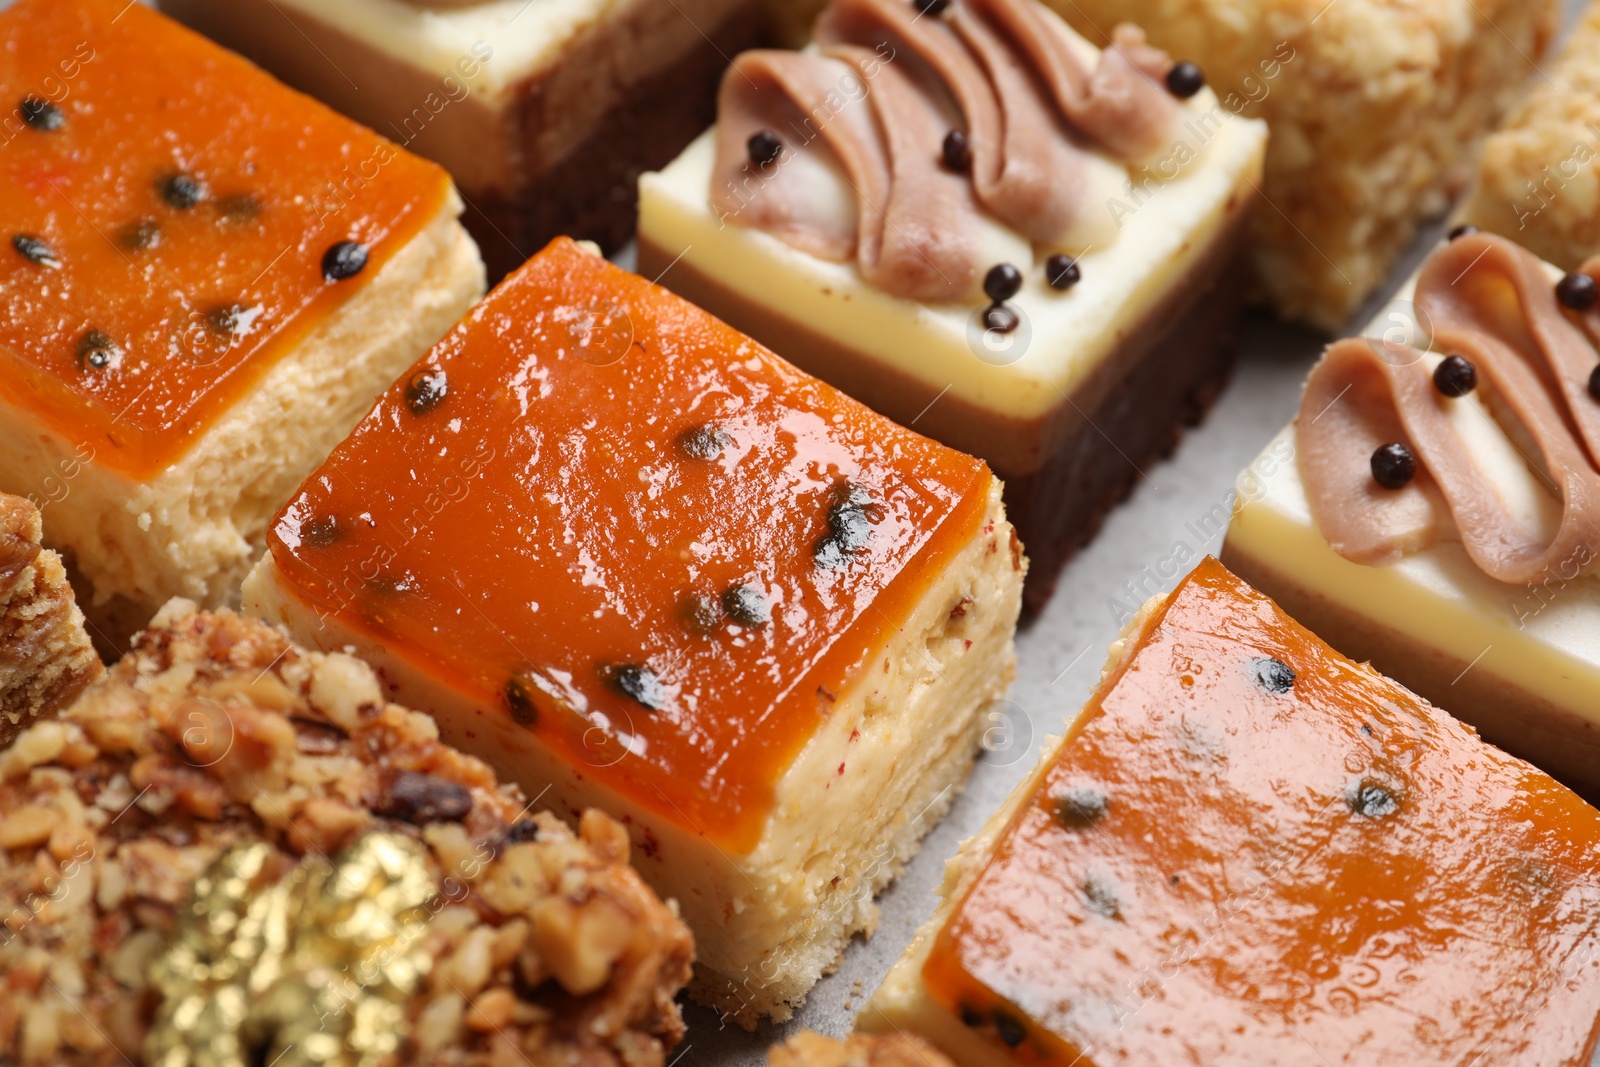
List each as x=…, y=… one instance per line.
x=1376, y=110
x=984, y=228
x=233, y=850
x=544, y=112
x=46, y=658
x=208, y=277
x=637, y=562
x=1432, y=508
x=1249, y=849
x=1534, y=181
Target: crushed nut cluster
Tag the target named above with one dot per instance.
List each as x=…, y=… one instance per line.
x=541, y=946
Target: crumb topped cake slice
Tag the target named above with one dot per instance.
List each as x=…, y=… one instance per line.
x=207, y=278
x=1439, y=515
x=46, y=657
x=973, y=221
x=1249, y=849
x=638, y=562
x=235, y=851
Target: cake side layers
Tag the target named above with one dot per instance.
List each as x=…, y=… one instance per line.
x=1518, y=662
x=195, y=528
x=848, y=813
x=1064, y=471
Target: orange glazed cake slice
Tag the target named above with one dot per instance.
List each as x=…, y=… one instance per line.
x=637, y=562
x=207, y=277
x=1251, y=850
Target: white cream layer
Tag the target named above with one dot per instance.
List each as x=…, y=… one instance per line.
x=1541, y=638
x=1159, y=231
x=526, y=36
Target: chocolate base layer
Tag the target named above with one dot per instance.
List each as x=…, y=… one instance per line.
x=1063, y=471
x=593, y=192
x=562, y=155
x=1524, y=724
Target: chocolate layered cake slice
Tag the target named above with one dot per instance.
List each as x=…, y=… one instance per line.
x=232, y=850
x=638, y=562
x=1249, y=849
x=46, y=658
x=545, y=113
x=982, y=227
x=207, y=279
x=1433, y=506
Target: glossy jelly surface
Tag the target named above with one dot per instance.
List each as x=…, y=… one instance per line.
x=601, y=512
x=1252, y=851
x=168, y=210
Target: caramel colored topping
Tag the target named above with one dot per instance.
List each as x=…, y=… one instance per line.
x=1214, y=871
x=135, y=193
x=653, y=563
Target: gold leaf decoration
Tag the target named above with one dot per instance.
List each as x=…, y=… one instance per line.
x=309, y=969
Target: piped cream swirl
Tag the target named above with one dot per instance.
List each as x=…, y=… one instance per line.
x=872, y=104
x=1493, y=303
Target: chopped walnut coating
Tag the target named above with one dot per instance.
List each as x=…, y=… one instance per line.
x=807, y=1049
x=544, y=947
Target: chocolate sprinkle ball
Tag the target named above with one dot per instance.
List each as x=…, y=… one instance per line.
x=1062, y=271
x=1577, y=291
x=1455, y=376
x=182, y=191
x=1271, y=675
x=522, y=831
x=957, y=152
x=746, y=605
x=426, y=390
x=764, y=148
x=1184, y=80
x=1002, y=282
x=1464, y=230
x=97, y=350
x=42, y=115
x=1000, y=318
x=1010, y=1028
x=702, y=614
x=137, y=236
x=344, y=260
x=35, y=250
x=1393, y=465
x=640, y=683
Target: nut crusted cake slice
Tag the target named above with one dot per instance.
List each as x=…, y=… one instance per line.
x=1250, y=850
x=207, y=278
x=379, y=897
x=637, y=562
x=46, y=657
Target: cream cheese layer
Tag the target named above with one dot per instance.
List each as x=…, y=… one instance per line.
x=1163, y=229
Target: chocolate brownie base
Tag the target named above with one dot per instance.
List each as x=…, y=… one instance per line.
x=593, y=192
x=1504, y=714
x=1063, y=471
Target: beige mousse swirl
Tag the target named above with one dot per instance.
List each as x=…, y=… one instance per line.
x=1492, y=303
x=873, y=104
